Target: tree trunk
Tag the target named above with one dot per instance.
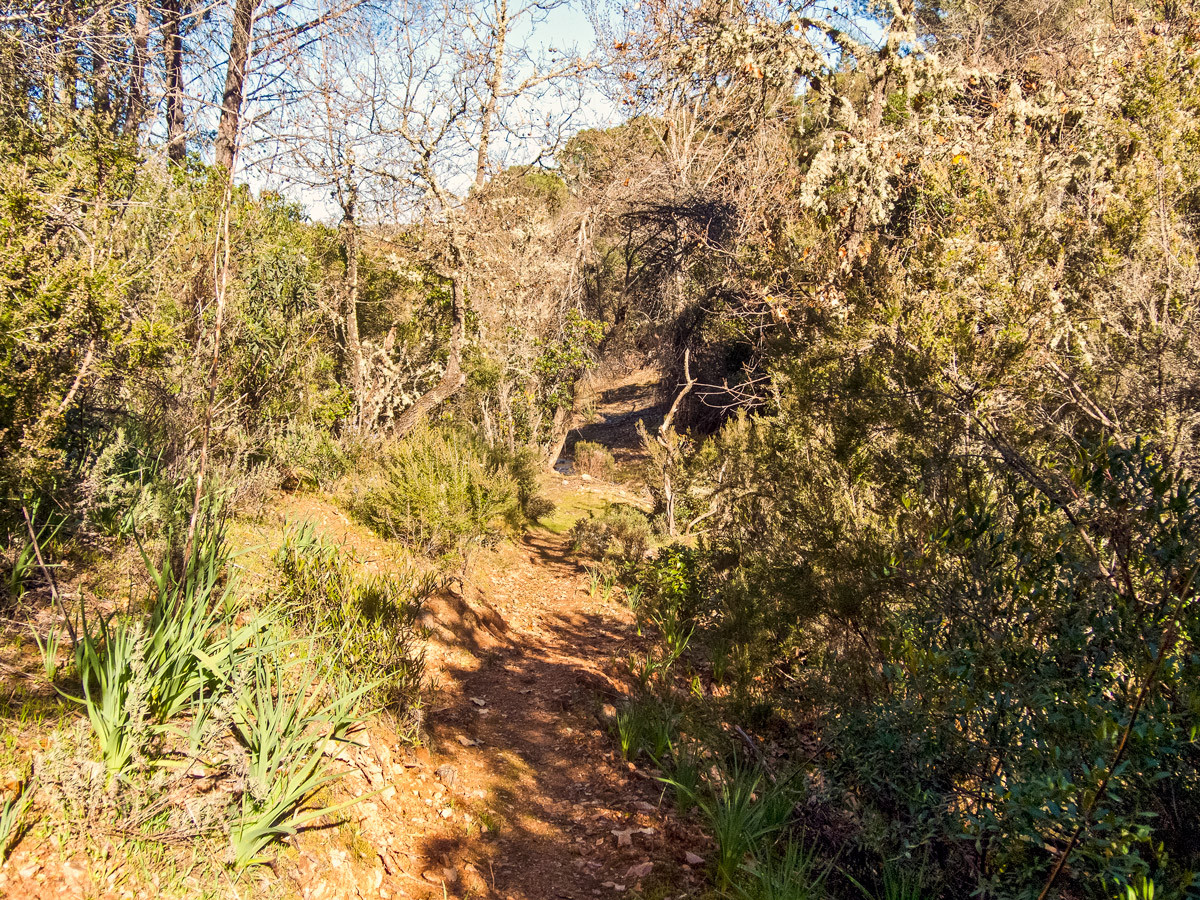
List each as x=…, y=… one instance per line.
x=560, y=427
x=173, y=62
x=494, y=82
x=235, y=83
x=135, y=114
x=68, y=63
x=453, y=378
x=349, y=235
x=101, y=85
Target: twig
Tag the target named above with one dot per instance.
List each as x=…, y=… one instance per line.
x=664, y=440
x=689, y=383
x=757, y=754
x=37, y=551
x=83, y=368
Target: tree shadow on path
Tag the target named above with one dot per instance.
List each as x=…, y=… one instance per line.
x=534, y=764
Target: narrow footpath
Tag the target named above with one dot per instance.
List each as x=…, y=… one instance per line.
x=521, y=793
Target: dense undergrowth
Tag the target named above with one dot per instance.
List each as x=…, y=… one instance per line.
x=368, y=624
x=192, y=689
x=1026, y=693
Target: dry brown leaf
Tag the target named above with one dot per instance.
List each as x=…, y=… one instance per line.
x=640, y=871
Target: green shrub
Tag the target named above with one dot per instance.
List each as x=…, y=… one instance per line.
x=795, y=872
x=538, y=507
x=283, y=729
x=435, y=491
x=745, y=812
x=308, y=456
x=525, y=467
x=620, y=535
x=126, y=490
x=12, y=815
x=998, y=653
x=365, y=626
x=137, y=673
x=670, y=596
x=594, y=460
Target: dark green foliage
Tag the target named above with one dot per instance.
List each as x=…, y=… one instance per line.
x=561, y=362
x=105, y=263
x=670, y=596
x=948, y=547
x=980, y=717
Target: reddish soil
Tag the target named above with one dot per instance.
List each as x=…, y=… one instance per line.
x=520, y=794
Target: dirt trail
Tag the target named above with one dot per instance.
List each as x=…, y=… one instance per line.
x=617, y=405
x=543, y=761
x=520, y=794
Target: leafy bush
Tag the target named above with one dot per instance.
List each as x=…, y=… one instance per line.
x=103, y=349
x=435, y=491
x=538, y=507
x=594, y=460
x=620, y=535
x=366, y=627
x=525, y=467
x=1019, y=682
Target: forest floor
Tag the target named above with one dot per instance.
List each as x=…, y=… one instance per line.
x=517, y=790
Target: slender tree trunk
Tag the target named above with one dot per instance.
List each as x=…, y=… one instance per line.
x=221, y=258
x=101, y=87
x=68, y=63
x=135, y=114
x=494, y=83
x=235, y=82
x=349, y=235
x=560, y=427
x=453, y=378
x=173, y=63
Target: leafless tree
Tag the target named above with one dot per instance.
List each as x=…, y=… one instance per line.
x=399, y=121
